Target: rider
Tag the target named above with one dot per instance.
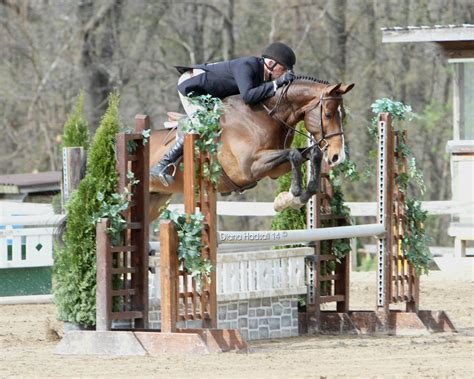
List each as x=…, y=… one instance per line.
x=254, y=78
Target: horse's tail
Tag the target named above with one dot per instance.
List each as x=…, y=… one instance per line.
x=60, y=231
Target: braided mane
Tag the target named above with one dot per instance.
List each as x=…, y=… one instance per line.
x=311, y=79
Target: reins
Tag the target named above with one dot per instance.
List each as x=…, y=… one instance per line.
x=324, y=137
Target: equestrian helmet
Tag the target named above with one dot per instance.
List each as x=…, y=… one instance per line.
x=280, y=53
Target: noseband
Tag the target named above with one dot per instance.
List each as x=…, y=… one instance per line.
x=322, y=143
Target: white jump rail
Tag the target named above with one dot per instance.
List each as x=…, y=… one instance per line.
x=357, y=209
x=302, y=236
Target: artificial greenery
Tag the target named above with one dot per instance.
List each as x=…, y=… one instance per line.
x=75, y=261
x=345, y=170
x=189, y=230
x=133, y=144
x=415, y=240
x=205, y=122
x=76, y=130
x=397, y=110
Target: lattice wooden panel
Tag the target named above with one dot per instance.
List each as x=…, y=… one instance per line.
x=195, y=303
x=122, y=269
x=327, y=278
x=404, y=287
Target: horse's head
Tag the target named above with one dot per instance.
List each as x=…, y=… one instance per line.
x=323, y=116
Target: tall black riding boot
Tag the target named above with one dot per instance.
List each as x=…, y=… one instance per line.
x=169, y=160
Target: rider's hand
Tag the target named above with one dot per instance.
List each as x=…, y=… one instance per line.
x=285, y=79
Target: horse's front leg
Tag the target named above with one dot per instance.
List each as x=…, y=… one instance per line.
x=296, y=160
x=315, y=158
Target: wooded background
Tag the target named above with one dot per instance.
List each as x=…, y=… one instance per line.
x=50, y=50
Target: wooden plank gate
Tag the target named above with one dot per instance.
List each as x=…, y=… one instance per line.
x=122, y=271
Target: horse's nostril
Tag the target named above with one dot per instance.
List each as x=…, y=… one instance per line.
x=335, y=158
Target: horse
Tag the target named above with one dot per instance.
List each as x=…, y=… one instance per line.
x=255, y=141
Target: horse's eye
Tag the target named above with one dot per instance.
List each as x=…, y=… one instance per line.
x=327, y=115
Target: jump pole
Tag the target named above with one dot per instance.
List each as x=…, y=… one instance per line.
x=303, y=235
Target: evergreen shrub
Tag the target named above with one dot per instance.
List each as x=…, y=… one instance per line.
x=75, y=262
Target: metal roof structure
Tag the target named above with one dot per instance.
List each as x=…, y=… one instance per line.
x=456, y=40
x=30, y=183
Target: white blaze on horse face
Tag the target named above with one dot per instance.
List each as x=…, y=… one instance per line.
x=342, y=154
x=332, y=156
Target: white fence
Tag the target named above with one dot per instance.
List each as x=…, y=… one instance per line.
x=26, y=235
x=26, y=229
x=26, y=240
x=252, y=275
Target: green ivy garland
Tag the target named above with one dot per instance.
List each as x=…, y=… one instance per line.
x=345, y=170
x=415, y=241
x=189, y=230
x=204, y=122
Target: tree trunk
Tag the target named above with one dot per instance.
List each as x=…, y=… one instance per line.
x=405, y=66
x=98, y=45
x=228, y=41
x=336, y=25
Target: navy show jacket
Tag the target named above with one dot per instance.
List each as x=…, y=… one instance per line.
x=222, y=79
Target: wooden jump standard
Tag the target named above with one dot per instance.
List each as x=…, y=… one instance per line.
x=396, y=278
x=122, y=272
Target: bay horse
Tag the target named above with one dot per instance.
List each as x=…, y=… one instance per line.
x=256, y=139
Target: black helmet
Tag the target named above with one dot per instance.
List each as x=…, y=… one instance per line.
x=280, y=53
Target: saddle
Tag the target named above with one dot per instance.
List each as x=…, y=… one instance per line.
x=173, y=119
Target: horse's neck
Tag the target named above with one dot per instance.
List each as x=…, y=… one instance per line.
x=300, y=94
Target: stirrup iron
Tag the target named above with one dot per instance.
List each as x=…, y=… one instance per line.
x=165, y=178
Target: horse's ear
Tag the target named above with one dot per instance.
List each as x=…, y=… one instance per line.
x=332, y=90
x=346, y=88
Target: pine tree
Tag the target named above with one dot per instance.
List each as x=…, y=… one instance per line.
x=75, y=263
x=76, y=130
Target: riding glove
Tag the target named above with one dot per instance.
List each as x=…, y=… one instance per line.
x=285, y=79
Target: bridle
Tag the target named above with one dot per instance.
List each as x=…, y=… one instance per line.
x=322, y=143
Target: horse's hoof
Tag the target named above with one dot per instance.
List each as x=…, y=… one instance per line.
x=282, y=201
x=296, y=203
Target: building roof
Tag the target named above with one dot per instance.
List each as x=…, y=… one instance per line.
x=28, y=183
x=436, y=33
x=456, y=40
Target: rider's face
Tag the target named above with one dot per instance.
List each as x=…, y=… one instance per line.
x=278, y=71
